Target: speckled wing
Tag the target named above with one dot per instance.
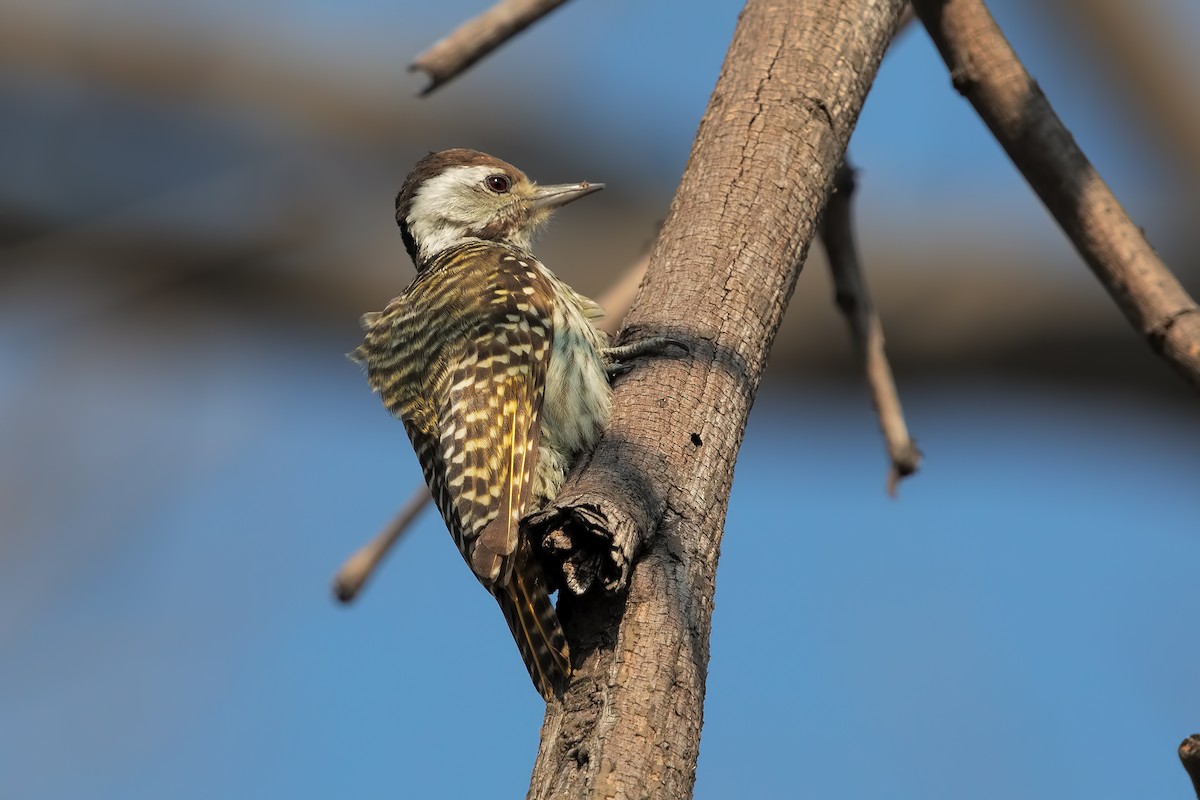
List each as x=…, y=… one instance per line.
x=489, y=416
x=461, y=359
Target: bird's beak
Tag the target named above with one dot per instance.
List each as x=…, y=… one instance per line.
x=551, y=197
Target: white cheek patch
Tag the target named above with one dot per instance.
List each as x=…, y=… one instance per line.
x=448, y=206
x=450, y=196
x=442, y=209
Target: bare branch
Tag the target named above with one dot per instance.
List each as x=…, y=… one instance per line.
x=359, y=567
x=1189, y=754
x=655, y=490
x=477, y=37
x=854, y=300
x=987, y=72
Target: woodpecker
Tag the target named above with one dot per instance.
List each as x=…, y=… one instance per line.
x=495, y=368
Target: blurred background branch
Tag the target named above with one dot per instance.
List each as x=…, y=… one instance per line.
x=477, y=37
x=359, y=568
x=1145, y=57
x=854, y=301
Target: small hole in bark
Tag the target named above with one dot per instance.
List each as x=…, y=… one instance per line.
x=696, y=440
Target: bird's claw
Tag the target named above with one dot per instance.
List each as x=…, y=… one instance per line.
x=619, y=360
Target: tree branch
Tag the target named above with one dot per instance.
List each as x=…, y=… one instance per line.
x=854, y=301
x=987, y=72
x=724, y=267
x=477, y=37
x=354, y=574
x=1189, y=754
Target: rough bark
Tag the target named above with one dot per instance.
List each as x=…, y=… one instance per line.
x=988, y=73
x=720, y=277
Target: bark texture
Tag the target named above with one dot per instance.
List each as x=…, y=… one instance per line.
x=988, y=73
x=651, y=501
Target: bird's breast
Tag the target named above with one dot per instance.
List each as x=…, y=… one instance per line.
x=578, y=400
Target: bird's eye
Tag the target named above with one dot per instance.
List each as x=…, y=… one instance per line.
x=500, y=184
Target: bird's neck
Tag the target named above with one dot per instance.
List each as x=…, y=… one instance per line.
x=432, y=240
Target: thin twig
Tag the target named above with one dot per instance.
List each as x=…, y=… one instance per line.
x=854, y=301
x=359, y=567
x=988, y=73
x=477, y=37
x=1189, y=754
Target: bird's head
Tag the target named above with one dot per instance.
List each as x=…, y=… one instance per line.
x=454, y=195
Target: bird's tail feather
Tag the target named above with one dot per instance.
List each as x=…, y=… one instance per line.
x=534, y=624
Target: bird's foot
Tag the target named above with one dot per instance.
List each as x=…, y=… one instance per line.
x=619, y=360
